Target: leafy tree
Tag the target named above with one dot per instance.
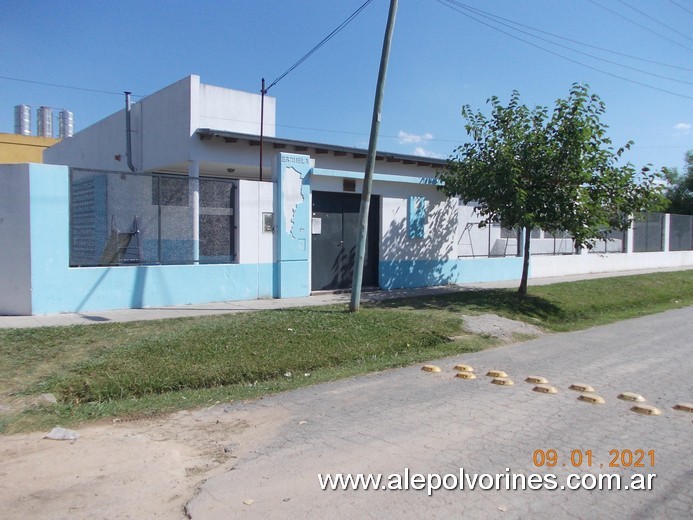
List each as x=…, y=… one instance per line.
x=679, y=192
x=529, y=168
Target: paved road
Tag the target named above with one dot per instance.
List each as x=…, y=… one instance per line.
x=434, y=423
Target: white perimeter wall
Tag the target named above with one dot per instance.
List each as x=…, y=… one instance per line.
x=547, y=266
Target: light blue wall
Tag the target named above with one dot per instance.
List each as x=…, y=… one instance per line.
x=292, y=207
x=430, y=273
x=55, y=287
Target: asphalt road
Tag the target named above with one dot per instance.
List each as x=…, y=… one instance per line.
x=409, y=420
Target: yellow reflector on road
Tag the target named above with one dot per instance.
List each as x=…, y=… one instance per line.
x=430, y=368
x=630, y=396
x=581, y=387
x=684, y=407
x=502, y=381
x=646, y=409
x=545, y=389
x=496, y=373
x=465, y=375
x=537, y=380
x=592, y=399
x=464, y=368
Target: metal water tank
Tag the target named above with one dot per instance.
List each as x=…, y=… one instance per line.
x=44, y=118
x=22, y=119
x=66, y=124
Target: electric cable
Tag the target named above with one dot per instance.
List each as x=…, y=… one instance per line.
x=660, y=76
x=655, y=20
x=640, y=25
x=450, y=6
x=322, y=42
x=639, y=58
x=83, y=89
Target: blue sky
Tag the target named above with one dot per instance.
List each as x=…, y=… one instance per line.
x=440, y=61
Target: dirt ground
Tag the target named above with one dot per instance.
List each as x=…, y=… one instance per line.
x=126, y=470
x=147, y=468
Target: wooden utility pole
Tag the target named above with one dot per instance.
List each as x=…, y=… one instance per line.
x=359, y=260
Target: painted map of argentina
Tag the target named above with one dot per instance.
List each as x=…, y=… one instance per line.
x=292, y=198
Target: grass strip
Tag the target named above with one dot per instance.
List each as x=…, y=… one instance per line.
x=145, y=368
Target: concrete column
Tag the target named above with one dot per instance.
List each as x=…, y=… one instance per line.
x=194, y=202
x=630, y=236
x=667, y=227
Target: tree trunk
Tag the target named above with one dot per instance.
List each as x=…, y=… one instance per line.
x=522, y=291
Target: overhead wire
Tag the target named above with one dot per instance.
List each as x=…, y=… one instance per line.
x=585, y=44
x=682, y=7
x=492, y=17
x=466, y=13
x=320, y=44
x=655, y=20
x=640, y=25
x=83, y=89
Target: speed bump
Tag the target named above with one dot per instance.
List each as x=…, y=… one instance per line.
x=465, y=375
x=464, y=368
x=581, y=387
x=430, y=368
x=591, y=398
x=646, y=409
x=545, y=389
x=684, y=407
x=496, y=373
x=630, y=396
x=537, y=380
x=502, y=381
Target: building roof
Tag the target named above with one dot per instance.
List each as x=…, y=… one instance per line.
x=318, y=148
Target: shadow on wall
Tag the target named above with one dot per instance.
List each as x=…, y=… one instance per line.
x=427, y=260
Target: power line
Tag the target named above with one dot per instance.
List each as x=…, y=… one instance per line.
x=322, y=42
x=682, y=7
x=639, y=58
x=83, y=89
x=640, y=25
x=464, y=13
x=491, y=17
x=655, y=20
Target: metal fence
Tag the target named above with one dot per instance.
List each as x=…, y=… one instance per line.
x=681, y=233
x=121, y=218
x=648, y=235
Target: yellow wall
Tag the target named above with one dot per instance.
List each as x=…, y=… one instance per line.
x=16, y=148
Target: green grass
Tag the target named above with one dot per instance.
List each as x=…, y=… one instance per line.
x=145, y=368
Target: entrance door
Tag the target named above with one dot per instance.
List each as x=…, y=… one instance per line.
x=335, y=238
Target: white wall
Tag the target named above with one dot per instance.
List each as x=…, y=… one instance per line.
x=547, y=266
x=254, y=245
x=15, y=240
x=233, y=111
x=163, y=127
x=440, y=228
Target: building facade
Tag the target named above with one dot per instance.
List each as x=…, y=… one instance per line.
x=197, y=208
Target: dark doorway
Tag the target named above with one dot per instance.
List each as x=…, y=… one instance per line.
x=335, y=236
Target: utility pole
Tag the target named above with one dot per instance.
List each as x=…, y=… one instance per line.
x=370, y=162
x=263, y=91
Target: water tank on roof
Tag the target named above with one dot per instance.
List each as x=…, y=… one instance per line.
x=66, y=124
x=44, y=118
x=22, y=120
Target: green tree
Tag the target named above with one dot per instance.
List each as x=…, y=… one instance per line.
x=679, y=192
x=529, y=168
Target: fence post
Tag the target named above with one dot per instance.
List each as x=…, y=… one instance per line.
x=667, y=227
x=194, y=189
x=630, y=237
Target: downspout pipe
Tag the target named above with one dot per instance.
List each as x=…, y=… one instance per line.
x=128, y=138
